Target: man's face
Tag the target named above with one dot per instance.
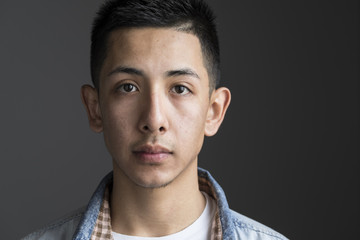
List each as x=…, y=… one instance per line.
x=153, y=102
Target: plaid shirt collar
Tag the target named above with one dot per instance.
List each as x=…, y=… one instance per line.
x=102, y=228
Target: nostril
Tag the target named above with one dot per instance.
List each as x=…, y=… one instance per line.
x=148, y=129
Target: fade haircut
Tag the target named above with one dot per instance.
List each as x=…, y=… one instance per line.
x=190, y=16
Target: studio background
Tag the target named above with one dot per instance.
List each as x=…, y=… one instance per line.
x=286, y=155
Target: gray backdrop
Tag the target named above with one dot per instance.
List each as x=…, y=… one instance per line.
x=286, y=155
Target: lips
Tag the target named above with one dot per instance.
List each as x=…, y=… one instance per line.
x=152, y=149
x=152, y=154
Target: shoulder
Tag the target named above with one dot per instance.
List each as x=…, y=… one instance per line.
x=63, y=228
x=246, y=228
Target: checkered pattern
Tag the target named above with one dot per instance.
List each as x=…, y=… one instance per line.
x=205, y=186
x=102, y=228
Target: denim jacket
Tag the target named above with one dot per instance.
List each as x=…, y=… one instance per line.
x=80, y=224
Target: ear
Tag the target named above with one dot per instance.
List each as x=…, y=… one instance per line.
x=219, y=103
x=90, y=99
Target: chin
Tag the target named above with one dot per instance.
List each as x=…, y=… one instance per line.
x=158, y=180
x=150, y=177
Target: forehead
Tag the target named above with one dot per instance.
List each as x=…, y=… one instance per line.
x=148, y=36
x=154, y=50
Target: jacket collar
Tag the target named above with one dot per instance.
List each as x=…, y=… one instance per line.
x=222, y=225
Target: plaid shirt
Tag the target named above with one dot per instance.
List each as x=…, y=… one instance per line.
x=102, y=229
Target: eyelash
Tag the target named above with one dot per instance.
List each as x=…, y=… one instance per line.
x=122, y=88
x=186, y=90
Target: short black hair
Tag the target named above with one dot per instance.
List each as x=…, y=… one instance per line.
x=192, y=16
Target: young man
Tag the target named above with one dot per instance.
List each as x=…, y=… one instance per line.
x=155, y=67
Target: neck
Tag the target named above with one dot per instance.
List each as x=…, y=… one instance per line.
x=154, y=212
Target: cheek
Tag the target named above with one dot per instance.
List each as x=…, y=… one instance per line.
x=190, y=122
x=116, y=124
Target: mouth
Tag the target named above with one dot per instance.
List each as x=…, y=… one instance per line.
x=152, y=154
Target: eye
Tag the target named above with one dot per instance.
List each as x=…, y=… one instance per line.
x=180, y=89
x=127, y=87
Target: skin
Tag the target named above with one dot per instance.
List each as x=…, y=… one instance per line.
x=154, y=108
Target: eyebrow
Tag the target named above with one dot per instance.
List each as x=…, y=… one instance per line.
x=182, y=72
x=128, y=70
x=171, y=73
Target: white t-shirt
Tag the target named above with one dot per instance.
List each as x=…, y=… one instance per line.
x=198, y=230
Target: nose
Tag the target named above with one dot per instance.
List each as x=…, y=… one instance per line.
x=153, y=118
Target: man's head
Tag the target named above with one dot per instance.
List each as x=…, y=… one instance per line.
x=191, y=16
x=154, y=102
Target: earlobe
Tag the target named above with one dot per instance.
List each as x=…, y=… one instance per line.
x=219, y=103
x=90, y=99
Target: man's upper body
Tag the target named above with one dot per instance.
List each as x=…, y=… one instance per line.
x=93, y=222
x=155, y=70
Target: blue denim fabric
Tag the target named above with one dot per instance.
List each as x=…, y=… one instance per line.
x=234, y=225
x=88, y=221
